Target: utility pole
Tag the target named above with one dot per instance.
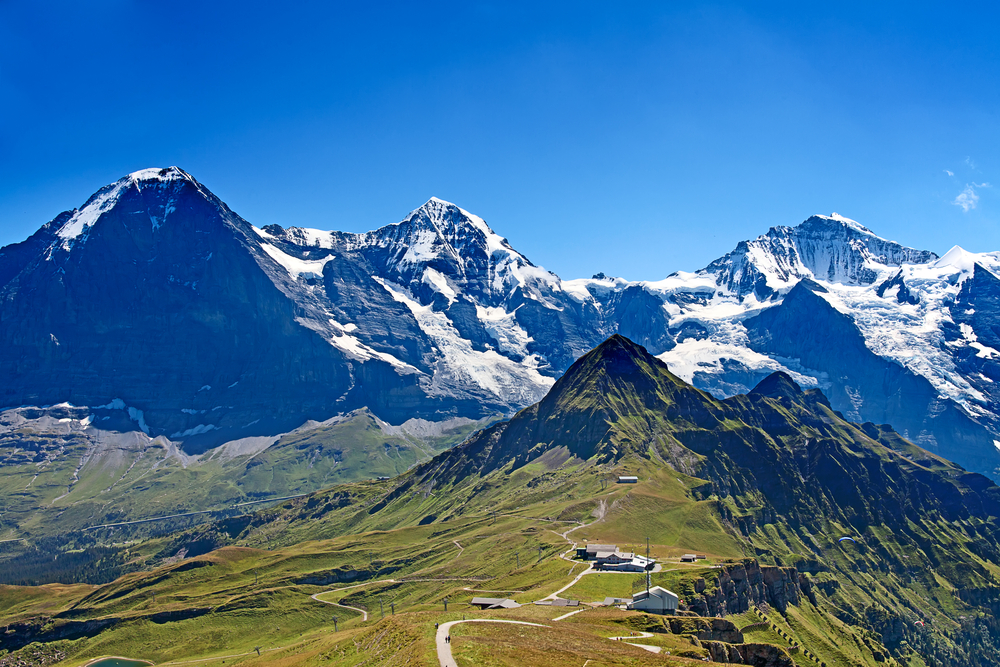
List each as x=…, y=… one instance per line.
x=381, y=610
x=335, y=624
x=446, y=604
x=648, y=574
x=539, y=553
x=517, y=555
x=255, y=577
x=393, y=605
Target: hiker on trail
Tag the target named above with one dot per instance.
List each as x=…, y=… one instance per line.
x=435, y=626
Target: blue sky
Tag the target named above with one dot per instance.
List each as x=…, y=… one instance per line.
x=632, y=141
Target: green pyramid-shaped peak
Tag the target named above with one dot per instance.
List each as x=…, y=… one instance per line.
x=614, y=400
x=778, y=385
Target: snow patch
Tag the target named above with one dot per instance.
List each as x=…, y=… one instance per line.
x=729, y=345
x=853, y=224
x=439, y=283
x=98, y=205
x=197, y=430
x=315, y=238
x=137, y=416
x=341, y=339
x=264, y=235
x=106, y=198
x=295, y=266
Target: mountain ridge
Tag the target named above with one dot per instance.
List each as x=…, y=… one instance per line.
x=438, y=316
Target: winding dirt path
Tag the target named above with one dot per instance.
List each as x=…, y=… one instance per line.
x=642, y=635
x=364, y=614
x=444, y=630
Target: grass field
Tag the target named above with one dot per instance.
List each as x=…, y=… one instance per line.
x=599, y=585
x=256, y=593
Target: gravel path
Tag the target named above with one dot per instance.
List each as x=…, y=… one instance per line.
x=444, y=648
x=641, y=635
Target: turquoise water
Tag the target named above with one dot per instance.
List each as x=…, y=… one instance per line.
x=118, y=662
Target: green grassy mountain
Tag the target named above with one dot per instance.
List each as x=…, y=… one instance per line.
x=56, y=484
x=766, y=485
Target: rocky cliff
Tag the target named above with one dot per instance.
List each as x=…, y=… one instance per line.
x=738, y=587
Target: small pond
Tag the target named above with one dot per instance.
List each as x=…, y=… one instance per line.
x=118, y=662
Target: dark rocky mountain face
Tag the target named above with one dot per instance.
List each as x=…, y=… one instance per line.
x=162, y=302
x=209, y=329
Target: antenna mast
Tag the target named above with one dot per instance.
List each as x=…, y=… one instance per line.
x=647, y=567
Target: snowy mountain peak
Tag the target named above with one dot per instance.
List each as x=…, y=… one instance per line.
x=158, y=175
x=837, y=219
x=958, y=258
x=828, y=248
x=451, y=221
x=154, y=191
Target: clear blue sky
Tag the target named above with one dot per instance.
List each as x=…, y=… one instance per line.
x=632, y=141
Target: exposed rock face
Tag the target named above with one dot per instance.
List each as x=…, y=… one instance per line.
x=705, y=629
x=764, y=655
x=747, y=584
x=759, y=655
x=215, y=330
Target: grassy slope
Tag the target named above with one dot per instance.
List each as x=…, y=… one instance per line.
x=132, y=480
x=277, y=611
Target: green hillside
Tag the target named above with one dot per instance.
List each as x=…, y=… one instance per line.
x=765, y=486
x=56, y=486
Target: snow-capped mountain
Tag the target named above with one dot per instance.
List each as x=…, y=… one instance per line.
x=208, y=329
x=155, y=294
x=884, y=330
x=831, y=248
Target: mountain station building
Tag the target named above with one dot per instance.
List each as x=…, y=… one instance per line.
x=596, y=551
x=657, y=601
x=624, y=562
x=609, y=558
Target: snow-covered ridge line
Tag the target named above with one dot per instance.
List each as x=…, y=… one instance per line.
x=834, y=250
